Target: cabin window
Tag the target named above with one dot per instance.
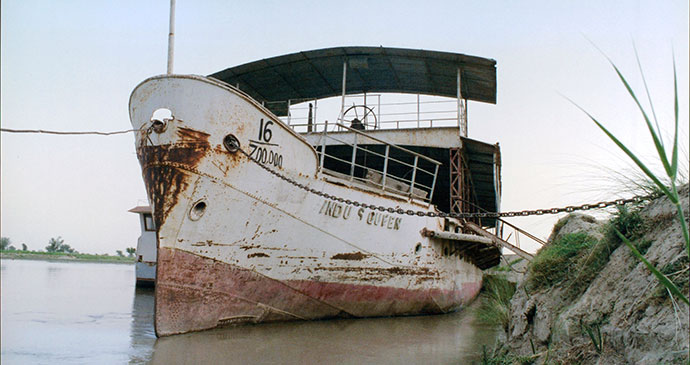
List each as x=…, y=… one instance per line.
x=148, y=223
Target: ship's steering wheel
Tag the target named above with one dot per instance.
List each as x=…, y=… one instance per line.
x=352, y=115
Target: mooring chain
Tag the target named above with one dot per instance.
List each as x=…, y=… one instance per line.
x=420, y=213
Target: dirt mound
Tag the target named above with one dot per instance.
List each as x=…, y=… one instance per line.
x=603, y=305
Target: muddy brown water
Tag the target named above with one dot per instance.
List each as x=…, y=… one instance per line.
x=70, y=312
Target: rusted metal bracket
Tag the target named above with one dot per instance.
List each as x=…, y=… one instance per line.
x=463, y=237
x=497, y=240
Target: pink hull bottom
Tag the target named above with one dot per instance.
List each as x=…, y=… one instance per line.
x=195, y=293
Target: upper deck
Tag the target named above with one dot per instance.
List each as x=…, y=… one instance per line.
x=324, y=73
x=385, y=117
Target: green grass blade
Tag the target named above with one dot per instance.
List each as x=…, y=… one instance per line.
x=591, y=337
x=649, y=96
x=657, y=141
x=632, y=156
x=683, y=224
x=662, y=278
x=674, y=157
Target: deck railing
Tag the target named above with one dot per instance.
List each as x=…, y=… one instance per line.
x=384, y=170
x=424, y=112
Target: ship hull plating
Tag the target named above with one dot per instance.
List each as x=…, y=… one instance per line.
x=237, y=244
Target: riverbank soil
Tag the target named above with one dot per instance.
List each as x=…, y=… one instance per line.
x=587, y=299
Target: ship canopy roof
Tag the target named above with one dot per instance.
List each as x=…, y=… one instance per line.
x=318, y=74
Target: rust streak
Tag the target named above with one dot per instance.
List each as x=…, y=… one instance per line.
x=349, y=256
x=257, y=254
x=165, y=183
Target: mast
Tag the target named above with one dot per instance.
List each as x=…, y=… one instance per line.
x=171, y=37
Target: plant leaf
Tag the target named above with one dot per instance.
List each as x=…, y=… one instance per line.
x=657, y=142
x=662, y=278
x=649, y=96
x=632, y=156
x=674, y=157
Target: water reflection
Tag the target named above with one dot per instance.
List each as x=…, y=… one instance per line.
x=142, y=335
x=66, y=312
x=452, y=338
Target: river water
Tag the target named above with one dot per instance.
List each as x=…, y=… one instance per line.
x=70, y=312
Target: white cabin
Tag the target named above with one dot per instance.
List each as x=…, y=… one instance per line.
x=146, y=247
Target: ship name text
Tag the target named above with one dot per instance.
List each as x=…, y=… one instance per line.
x=373, y=218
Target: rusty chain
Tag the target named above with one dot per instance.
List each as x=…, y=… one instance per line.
x=522, y=213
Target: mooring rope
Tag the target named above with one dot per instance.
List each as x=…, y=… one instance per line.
x=42, y=131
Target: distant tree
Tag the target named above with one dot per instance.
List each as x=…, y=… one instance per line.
x=54, y=244
x=58, y=245
x=67, y=248
x=4, y=243
x=119, y=253
x=24, y=248
x=131, y=251
x=11, y=248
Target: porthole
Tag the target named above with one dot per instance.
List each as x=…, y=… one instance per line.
x=418, y=248
x=197, y=210
x=231, y=143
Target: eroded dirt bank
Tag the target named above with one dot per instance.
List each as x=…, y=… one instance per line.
x=587, y=299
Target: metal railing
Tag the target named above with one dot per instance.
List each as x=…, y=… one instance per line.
x=421, y=113
x=388, y=168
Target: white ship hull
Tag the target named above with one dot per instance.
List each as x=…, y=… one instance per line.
x=238, y=244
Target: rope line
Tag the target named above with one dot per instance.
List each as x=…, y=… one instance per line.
x=42, y=131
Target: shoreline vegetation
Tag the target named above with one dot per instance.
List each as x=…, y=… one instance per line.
x=586, y=298
x=64, y=256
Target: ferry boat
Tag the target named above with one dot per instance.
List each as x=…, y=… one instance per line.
x=145, y=265
x=267, y=210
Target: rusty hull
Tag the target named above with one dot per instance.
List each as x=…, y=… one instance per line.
x=262, y=251
x=195, y=293
x=166, y=169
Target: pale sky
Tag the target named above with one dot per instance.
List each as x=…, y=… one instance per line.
x=71, y=65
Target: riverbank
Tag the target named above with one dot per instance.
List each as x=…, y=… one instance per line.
x=62, y=256
x=586, y=299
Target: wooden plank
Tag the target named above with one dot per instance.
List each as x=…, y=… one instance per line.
x=498, y=241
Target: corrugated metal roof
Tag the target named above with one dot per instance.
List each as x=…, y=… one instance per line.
x=318, y=74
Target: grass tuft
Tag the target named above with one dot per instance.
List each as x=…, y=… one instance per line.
x=574, y=260
x=555, y=263
x=628, y=222
x=494, y=310
x=501, y=355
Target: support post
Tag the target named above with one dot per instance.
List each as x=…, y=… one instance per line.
x=354, y=159
x=171, y=37
x=288, y=112
x=310, y=120
x=418, y=111
x=342, y=100
x=414, y=175
x=433, y=185
x=385, y=167
x=323, y=145
x=462, y=115
x=456, y=180
x=365, y=110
